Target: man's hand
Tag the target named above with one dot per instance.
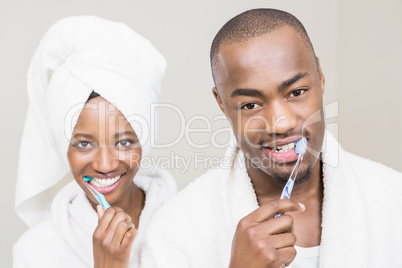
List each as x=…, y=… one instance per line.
x=264, y=241
x=113, y=238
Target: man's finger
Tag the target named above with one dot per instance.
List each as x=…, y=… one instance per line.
x=286, y=256
x=270, y=209
x=279, y=225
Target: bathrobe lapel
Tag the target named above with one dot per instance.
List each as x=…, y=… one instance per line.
x=344, y=218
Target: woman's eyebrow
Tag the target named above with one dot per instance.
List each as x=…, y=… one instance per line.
x=125, y=133
x=83, y=135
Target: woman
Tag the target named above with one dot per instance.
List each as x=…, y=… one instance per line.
x=91, y=84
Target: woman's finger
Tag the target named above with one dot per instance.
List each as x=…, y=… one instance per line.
x=128, y=238
x=121, y=229
x=100, y=211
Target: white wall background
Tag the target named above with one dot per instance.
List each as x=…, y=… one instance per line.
x=359, y=43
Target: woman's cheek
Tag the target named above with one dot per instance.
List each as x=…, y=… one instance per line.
x=133, y=158
x=78, y=161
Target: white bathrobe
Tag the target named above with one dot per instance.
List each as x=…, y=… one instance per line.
x=361, y=216
x=66, y=239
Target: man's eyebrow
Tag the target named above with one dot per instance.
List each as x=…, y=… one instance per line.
x=292, y=80
x=247, y=92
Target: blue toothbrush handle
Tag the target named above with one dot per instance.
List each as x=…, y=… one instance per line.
x=286, y=192
x=102, y=201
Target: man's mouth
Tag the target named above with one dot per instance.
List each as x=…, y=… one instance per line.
x=284, y=153
x=283, y=148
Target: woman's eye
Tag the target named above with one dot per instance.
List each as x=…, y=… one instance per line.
x=124, y=143
x=83, y=144
x=250, y=106
x=297, y=93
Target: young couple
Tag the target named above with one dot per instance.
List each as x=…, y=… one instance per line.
x=90, y=85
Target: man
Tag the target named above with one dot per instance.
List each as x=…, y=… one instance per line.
x=344, y=211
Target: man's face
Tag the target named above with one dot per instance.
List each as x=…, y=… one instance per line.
x=271, y=88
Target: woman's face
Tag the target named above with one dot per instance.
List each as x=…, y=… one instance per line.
x=104, y=147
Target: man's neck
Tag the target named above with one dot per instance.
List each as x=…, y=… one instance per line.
x=267, y=189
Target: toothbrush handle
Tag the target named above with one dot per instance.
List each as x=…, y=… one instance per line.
x=102, y=201
x=286, y=192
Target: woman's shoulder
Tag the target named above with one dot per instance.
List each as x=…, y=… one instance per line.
x=34, y=246
x=42, y=246
x=33, y=236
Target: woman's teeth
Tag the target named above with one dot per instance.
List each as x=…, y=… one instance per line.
x=103, y=183
x=284, y=148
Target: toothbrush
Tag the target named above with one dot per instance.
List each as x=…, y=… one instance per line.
x=101, y=199
x=301, y=148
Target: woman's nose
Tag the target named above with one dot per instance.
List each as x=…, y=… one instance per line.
x=106, y=160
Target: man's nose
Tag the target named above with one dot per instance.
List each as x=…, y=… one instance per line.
x=281, y=118
x=106, y=160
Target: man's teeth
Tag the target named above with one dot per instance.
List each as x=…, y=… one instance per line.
x=284, y=148
x=103, y=183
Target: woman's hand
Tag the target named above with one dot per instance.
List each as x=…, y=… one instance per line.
x=113, y=238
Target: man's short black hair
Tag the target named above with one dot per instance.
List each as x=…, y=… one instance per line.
x=254, y=23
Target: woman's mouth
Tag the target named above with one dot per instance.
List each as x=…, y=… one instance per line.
x=106, y=185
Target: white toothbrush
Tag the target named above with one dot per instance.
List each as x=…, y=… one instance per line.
x=301, y=148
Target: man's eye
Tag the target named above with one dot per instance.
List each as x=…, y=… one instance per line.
x=250, y=106
x=297, y=93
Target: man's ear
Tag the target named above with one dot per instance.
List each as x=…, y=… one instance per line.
x=218, y=99
x=320, y=74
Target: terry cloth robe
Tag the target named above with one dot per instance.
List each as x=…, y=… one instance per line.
x=361, y=215
x=66, y=239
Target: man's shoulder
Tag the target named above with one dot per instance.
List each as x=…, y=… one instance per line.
x=197, y=196
x=375, y=179
x=199, y=202
x=367, y=168
x=184, y=228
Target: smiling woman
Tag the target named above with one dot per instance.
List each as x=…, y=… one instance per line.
x=105, y=147
x=90, y=84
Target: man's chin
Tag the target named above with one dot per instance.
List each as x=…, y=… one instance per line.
x=302, y=176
